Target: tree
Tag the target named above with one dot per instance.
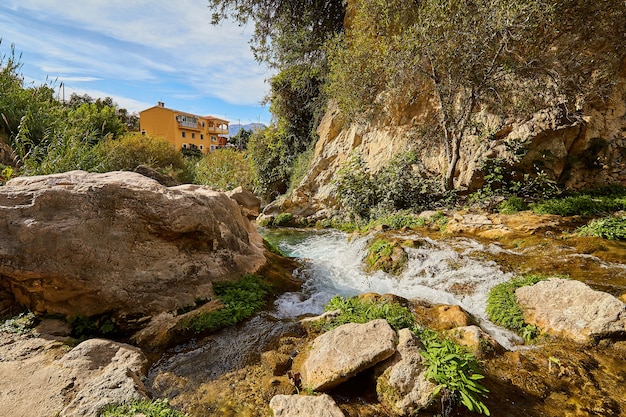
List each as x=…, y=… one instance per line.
x=466, y=55
x=240, y=140
x=224, y=170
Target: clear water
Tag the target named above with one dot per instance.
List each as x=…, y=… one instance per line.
x=438, y=272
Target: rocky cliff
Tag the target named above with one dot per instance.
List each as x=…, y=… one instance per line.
x=580, y=150
x=119, y=243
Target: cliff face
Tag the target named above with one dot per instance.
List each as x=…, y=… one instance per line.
x=577, y=150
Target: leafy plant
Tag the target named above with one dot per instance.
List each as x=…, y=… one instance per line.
x=21, y=324
x=283, y=219
x=225, y=169
x=455, y=370
x=241, y=299
x=356, y=310
x=612, y=228
x=87, y=327
x=502, y=307
x=584, y=204
x=155, y=408
x=512, y=205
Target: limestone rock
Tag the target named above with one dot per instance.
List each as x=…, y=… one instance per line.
x=250, y=203
x=403, y=387
x=304, y=406
x=80, y=243
x=476, y=340
x=47, y=380
x=571, y=309
x=110, y=373
x=451, y=316
x=341, y=353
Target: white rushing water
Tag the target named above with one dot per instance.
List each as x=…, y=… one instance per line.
x=437, y=272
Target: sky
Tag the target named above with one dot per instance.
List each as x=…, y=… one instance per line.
x=139, y=52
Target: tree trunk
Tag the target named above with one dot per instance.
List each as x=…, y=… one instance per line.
x=453, y=161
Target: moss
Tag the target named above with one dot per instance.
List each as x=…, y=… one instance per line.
x=386, y=256
x=155, y=408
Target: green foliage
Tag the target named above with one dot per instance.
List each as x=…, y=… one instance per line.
x=398, y=220
x=21, y=324
x=134, y=149
x=154, y=408
x=271, y=161
x=89, y=327
x=581, y=204
x=381, y=248
x=502, y=307
x=612, y=228
x=454, y=369
x=355, y=187
x=241, y=299
x=355, y=310
x=6, y=173
x=512, y=205
x=240, y=139
x=283, y=219
x=224, y=170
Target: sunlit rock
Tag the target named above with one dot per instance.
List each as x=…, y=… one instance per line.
x=341, y=353
x=573, y=310
x=304, y=406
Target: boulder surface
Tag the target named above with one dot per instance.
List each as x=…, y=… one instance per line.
x=304, y=406
x=572, y=309
x=341, y=353
x=85, y=244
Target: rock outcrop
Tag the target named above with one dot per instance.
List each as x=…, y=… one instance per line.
x=341, y=353
x=119, y=243
x=571, y=309
x=403, y=387
x=43, y=378
x=304, y=406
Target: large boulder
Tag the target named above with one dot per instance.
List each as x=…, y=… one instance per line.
x=304, y=406
x=341, y=353
x=46, y=379
x=402, y=387
x=85, y=244
x=573, y=310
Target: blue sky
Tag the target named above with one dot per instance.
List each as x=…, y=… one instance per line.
x=139, y=52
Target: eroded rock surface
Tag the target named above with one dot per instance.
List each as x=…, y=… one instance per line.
x=80, y=243
x=41, y=376
x=572, y=309
x=304, y=406
x=341, y=353
x=403, y=387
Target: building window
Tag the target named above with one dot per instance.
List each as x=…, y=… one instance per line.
x=201, y=136
x=201, y=147
x=184, y=145
x=203, y=124
x=213, y=139
x=184, y=134
x=193, y=135
x=212, y=148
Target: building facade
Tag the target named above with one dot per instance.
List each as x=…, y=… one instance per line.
x=184, y=130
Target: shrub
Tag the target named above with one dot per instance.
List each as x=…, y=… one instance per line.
x=241, y=299
x=21, y=324
x=355, y=188
x=502, y=307
x=398, y=220
x=155, y=408
x=356, y=310
x=224, y=170
x=134, y=149
x=612, y=228
x=454, y=369
x=512, y=205
x=581, y=204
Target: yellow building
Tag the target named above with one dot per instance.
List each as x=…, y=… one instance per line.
x=184, y=130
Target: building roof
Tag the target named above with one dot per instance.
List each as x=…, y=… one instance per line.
x=159, y=106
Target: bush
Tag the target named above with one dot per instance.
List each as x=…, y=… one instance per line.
x=355, y=188
x=355, y=310
x=241, y=300
x=503, y=310
x=612, y=228
x=224, y=170
x=21, y=324
x=134, y=149
x=454, y=369
x=512, y=205
x=582, y=204
x=283, y=219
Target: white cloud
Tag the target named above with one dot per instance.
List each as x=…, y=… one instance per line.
x=142, y=39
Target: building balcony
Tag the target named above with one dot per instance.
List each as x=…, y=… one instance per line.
x=189, y=125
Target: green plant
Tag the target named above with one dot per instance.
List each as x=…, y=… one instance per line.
x=512, y=205
x=381, y=248
x=283, y=219
x=612, y=228
x=224, y=170
x=154, y=408
x=241, y=299
x=87, y=327
x=455, y=370
x=356, y=310
x=502, y=307
x=21, y=324
x=585, y=204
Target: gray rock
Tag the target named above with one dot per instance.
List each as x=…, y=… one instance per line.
x=80, y=243
x=304, y=406
x=341, y=353
x=571, y=309
x=403, y=387
x=250, y=203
